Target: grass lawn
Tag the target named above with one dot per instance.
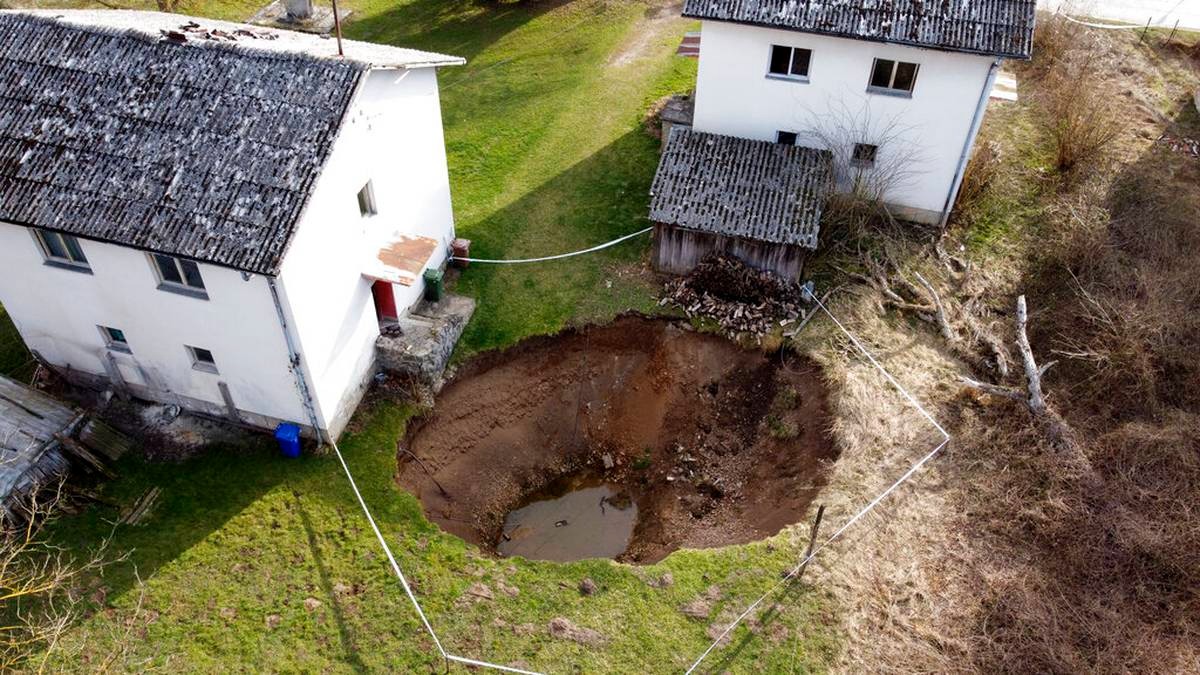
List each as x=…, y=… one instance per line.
x=253, y=560
x=15, y=360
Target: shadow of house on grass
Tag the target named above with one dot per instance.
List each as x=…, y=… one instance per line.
x=458, y=27
x=594, y=201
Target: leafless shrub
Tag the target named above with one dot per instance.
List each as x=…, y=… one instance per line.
x=1055, y=37
x=1080, y=120
x=1133, y=325
x=42, y=586
x=981, y=171
x=863, y=185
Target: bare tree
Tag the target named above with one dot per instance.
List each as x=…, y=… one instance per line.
x=873, y=156
x=41, y=584
x=1062, y=437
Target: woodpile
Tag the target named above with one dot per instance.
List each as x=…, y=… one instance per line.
x=739, y=298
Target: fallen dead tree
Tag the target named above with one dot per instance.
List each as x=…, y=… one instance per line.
x=739, y=298
x=1060, y=434
x=968, y=337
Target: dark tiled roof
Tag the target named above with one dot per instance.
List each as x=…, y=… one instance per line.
x=994, y=27
x=742, y=188
x=200, y=150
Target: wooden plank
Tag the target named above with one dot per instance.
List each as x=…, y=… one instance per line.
x=77, y=450
x=104, y=439
x=230, y=408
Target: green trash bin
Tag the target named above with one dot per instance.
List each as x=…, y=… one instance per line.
x=434, y=284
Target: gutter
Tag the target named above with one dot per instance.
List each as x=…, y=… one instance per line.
x=295, y=364
x=969, y=144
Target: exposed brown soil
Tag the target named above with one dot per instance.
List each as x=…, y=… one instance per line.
x=718, y=445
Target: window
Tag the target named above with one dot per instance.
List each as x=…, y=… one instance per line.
x=893, y=77
x=61, y=250
x=366, y=200
x=789, y=62
x=179, y=276
x=785, y=137
x=202, y=359
x=114, y=339
x=864, y=154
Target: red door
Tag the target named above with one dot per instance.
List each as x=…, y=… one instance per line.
x=385, y=301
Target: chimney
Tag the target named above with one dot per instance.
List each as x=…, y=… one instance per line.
x=299, y=10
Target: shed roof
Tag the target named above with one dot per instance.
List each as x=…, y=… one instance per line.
x=740, y=187
x=992, y=27
x=190, y=137
x=28, y=421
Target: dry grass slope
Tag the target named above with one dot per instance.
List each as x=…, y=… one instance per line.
x=1004, y=557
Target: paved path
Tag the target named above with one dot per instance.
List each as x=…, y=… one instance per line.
x=1159, y=12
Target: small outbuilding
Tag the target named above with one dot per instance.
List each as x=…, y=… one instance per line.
x=758, y=201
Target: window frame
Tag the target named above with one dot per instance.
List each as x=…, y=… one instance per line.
x=890, y=89
x=183, y=286
x=367, y=206
x=789, y=76
x=204, y=366
x=65, y=241
x=856, y=161
x=779, y=137
x=112, y=343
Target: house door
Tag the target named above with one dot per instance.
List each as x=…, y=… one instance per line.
x=385, y=300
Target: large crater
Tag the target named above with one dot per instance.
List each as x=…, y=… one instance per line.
x=712, y=443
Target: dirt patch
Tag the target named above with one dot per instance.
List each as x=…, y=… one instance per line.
x=716, y=444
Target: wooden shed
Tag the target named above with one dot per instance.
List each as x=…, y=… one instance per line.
x=756, y=200
x=40, y=438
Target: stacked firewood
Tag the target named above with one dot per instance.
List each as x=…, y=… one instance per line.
x=740, y=299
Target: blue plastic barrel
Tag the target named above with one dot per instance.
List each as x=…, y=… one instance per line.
x=288, y=435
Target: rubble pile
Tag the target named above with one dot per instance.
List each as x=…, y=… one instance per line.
x=1186, y=146
x=739, y=298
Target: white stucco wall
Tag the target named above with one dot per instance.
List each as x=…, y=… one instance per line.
x=735, y=97
x=57, y=312
x=393, y=137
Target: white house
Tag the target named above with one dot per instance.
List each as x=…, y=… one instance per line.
x=212, y=214
x=894, y=90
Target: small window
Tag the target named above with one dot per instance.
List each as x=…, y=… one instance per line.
x=179, y=275
x=61, y=249
x=114, y=339
x=791, y=62
x=202, y=359
x=366, y=200
x=785, y=137
x=893, y=77
x=864, y=154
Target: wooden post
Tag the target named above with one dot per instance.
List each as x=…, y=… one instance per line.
x=337, y=27
x=230, y=408
x=1173, y=29
x=812, y=540
x=1145, y=30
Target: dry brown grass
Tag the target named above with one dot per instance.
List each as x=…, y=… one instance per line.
x=998, y=558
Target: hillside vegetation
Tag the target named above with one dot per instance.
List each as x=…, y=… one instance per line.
x=1021, y=552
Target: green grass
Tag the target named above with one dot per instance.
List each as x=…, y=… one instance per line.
x=15, y=360
x=240, y=535
x=546, y=155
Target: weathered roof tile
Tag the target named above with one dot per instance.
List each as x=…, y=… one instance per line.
x=993, y=27
x=739, y=187
x=202, y=150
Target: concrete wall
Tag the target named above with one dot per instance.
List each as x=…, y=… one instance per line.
x=393, y=138
x=735, y=97
x=57, y=312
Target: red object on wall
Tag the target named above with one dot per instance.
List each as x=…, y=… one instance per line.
x=385, y=300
